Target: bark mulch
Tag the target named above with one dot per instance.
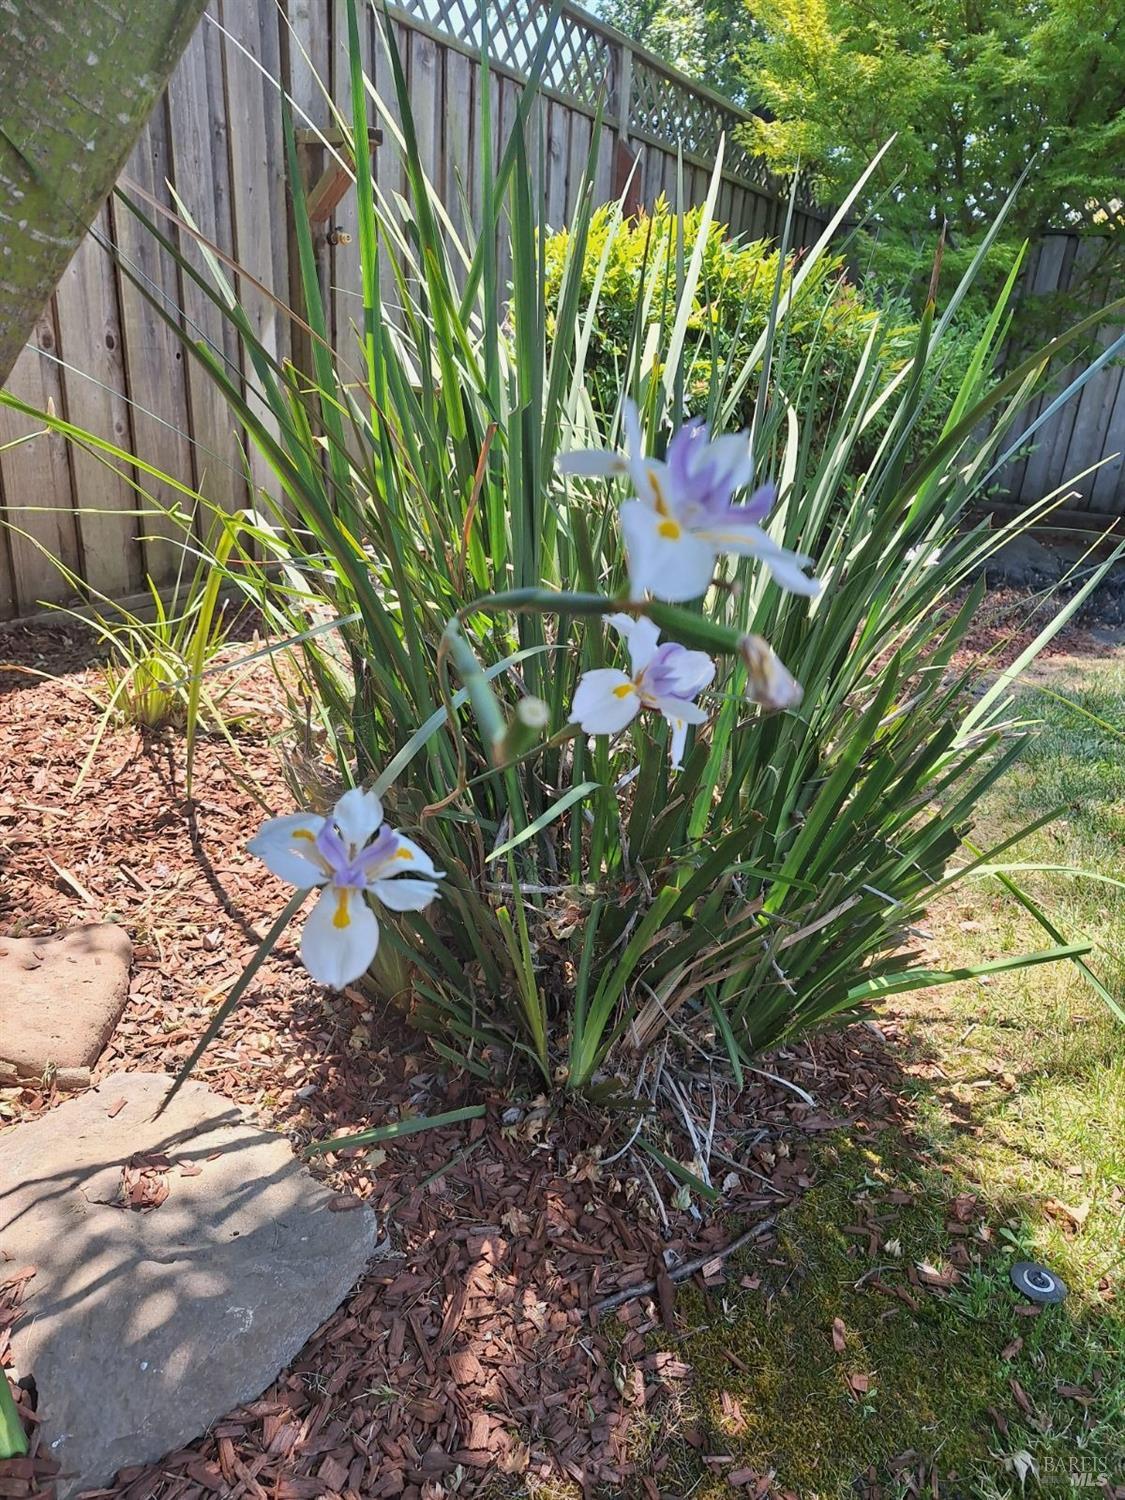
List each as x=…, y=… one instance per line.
x=474, y=1357
x=1009, y=619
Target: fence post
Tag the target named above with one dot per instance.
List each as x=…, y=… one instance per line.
x=624, y=94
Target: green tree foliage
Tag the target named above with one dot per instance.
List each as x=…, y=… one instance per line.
x=976, y=91
x=700, y=37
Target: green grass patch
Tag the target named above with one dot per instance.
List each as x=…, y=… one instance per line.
x=910, y=1386
x=1019, y=1094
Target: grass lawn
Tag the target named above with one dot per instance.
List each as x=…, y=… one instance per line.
x=839, y=1375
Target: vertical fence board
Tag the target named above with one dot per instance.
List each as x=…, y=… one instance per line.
x=1014, y=476
x=191, y=108
x=220, y=133
x=272, y=85
x=508, y=93
x=460, y=143
x=603, y=178
x=36, y=480
x=254, y=185
x=305, y=37
x=655, y=177
x=390, y=172
x=308, y=74
x=426, y=103
x=347, y=280
x=90, y=342
x=558, y=163
x=739, y=210
x=1077, y=256
x=726, y=204
x=1107, y=486
x=1047, y=276
x=154, y=355
x=581, y=133
x=537, y=156
x=1090, y=437
x=668, y=180
x=483, y=86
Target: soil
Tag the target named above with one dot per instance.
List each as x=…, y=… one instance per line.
x=474, y=1359
x=1057, y=563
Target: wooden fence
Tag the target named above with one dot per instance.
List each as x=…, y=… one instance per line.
x=106, y=362
x=1091, y=425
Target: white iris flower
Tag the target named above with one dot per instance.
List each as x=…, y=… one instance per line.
x=350, y=855
x=667, y=678
x=683, y=518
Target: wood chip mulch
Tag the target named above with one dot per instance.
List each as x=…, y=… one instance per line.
x=1006, y=623
x=472, y=1359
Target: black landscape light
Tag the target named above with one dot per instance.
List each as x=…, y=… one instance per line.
x=1037, y=1283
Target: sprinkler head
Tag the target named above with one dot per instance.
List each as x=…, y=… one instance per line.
x=1037, y=1283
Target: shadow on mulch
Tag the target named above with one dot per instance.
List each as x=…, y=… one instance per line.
x=57, y=649
x=474, y=1358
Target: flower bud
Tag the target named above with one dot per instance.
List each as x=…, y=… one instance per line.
x=527, y=724
x=768, y=680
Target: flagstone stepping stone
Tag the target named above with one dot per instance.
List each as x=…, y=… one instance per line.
x=61, y=996
x=180, y=1263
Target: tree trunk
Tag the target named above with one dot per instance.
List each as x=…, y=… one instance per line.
x=77, y=83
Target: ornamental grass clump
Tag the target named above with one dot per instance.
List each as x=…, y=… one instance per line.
x=638, y=726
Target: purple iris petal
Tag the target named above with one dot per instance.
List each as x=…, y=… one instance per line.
x=383, y=848
x=703, y=472
x=353, y=872
x=331, y=847
x=683, y=448
x=670, y=673
x=753, y=513
x=762, y=501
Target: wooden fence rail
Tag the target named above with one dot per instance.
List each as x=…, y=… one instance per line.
x=106, y=362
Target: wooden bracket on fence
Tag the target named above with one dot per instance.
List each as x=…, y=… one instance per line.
x=627, y=179
x=333, y=180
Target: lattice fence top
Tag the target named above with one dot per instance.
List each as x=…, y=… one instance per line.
x=582, y=63
x=669, y=109
x=586, y=63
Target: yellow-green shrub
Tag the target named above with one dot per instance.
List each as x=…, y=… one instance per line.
x=816, y=357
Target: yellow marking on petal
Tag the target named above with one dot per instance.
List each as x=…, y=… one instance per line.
x=661, y=503
x=624, y=690
x=403, y=854
x=342, y=919
x=303, y=833
x=670, y=529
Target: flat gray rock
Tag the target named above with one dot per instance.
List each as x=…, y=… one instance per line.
x=61, y=996
x=143, y=1324
x=1025, y=562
